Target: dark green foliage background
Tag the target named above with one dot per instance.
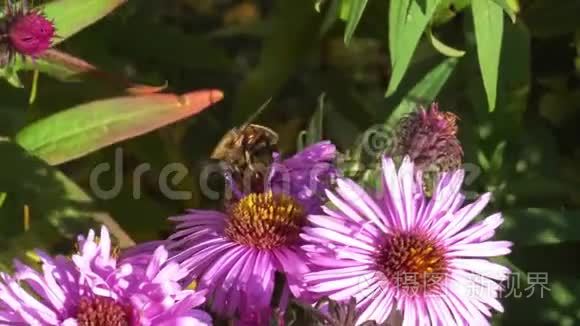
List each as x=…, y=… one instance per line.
x=526, y=151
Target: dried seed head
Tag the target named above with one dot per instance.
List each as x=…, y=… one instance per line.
x=429, y=137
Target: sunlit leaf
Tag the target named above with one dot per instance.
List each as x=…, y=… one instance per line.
x=443, y=48
x=425, y=90
x=284, y=50
x=514, y=84
x=2, y=198
x=354, y=15
x=59, y=209
x=10, y=74
x=314, y=132
x=509, y=7
x=66, y=67
x=345, y=6
x=488, y=25
x=75, y=132
x=318, y=4
x=447, y=10
x=407, y=22
x=71, y=16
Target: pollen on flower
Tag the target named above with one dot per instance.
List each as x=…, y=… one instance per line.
x=412, y=262
x=265, y=220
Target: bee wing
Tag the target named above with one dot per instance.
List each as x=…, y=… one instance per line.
x=257, y=113
x=224, y=146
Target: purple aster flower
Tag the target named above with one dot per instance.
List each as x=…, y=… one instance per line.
x=305, y=175
x=235, y=254
x=24, y=31
x=423, y=257
x=93, y=288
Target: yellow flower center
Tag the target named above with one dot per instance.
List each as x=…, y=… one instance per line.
x=412, y=262
x=265, y=220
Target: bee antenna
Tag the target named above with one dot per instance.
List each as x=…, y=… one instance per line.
x=257, y=113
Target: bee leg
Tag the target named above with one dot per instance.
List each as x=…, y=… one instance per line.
x=231, y=183
x=248, y=156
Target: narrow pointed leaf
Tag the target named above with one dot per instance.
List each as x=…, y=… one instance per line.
x=313, y=132
x=407, y=22
x=426, y=90
x=354, y=15
x=509, y=8
x=71, y=16
x=75, y=132
x=444, y=48
x=488, y=25
x=318, y=4
x=59, y=208
x=345, y=9
x=66, y=67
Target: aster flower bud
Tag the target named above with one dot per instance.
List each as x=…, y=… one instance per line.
x=24, y=32
x=429, y=138
x=31, y=34
x=328, y=312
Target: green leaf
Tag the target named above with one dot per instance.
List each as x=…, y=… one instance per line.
x=407, y=22
x=354, y=15
x=73, y=133
x=425, y=90
x=443, y=48
x=345, y=9
x=10, y=74
x=314, y=132
x=488, y=25
x=2, y=198
x=447, y=10
x=318, y=4
x=509, y=8
x=284, y=50
x=59, y=209
x=71, y=16
x=514, y=84
x=68, y=68
x=61, y=66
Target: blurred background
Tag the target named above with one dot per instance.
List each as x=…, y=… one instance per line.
x=526, y=150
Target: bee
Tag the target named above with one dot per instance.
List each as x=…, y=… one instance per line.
x=247, y=146
x=247, y=151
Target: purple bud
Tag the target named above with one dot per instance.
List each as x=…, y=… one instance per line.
x=31, y=34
